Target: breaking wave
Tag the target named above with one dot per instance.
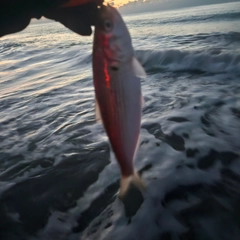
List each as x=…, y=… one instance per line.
x=211, y=61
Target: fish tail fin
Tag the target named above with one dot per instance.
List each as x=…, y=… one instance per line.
x=135, y=180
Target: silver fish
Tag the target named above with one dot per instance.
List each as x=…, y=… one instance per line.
x=117, y=75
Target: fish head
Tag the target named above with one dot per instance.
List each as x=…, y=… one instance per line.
x=112, y=36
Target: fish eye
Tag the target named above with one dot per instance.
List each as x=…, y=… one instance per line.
x=114, y=68
x=108, y=25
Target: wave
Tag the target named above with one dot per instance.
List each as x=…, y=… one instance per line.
x=230, y=37
x=203, y=18
x=189, y=18
x=211, y=61
x=10, y=45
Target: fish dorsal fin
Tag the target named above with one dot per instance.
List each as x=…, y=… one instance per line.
x=97, y=111
x=138, y=69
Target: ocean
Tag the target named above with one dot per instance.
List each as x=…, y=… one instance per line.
x=59, y=178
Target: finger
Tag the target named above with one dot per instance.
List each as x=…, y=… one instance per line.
x=77, y=15
x=78, y=19
x=73, y=3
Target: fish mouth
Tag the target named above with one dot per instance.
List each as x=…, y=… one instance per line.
x=104, y=12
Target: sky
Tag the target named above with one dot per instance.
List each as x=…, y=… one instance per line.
x=121, y=2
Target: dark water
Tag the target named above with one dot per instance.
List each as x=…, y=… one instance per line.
x=58, y=176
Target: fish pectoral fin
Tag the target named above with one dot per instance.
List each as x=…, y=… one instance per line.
x=97, y=111
x=138, y=69
x=127, y=181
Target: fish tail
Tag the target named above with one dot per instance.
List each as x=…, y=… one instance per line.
x=135, y=180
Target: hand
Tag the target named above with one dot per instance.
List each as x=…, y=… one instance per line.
x=77, y=15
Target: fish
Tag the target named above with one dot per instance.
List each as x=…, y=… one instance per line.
x=117, y=82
